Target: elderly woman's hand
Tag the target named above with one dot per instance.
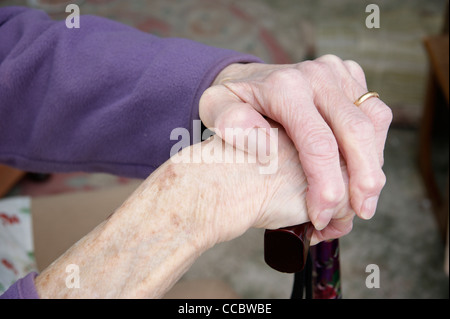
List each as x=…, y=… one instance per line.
x=237, y=195
x=184, y=208
x=314, y=102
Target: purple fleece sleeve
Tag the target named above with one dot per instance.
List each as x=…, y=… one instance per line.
x=101, y=98
x=22, y=289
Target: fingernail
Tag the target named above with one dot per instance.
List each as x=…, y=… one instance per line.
x=323, y=219
x=369, y=207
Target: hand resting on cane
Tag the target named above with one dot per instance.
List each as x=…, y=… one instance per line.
x=177, y=213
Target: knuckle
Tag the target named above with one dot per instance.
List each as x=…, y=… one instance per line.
x=288, y=80
x=373, y=183
x=344, y=224
x=306, y=65
x=286, y=76
x=314, y=68
x=320, y=144
x=334, y=195
x=348, y=227
x=381, y=160
x=330, y=58
x=354, y=67
x=382, y=180
x=384, y=116
x=360, y=128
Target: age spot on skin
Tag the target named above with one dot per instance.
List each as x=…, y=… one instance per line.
x=175, y=220
x=167, y=178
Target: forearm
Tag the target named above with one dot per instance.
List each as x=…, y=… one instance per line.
x=177, y=213
x=180, y=211
x=141, y=250
x=104, y=97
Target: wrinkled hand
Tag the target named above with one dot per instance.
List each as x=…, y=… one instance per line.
x=181, y=210
x=235, y=196
x=313, y=101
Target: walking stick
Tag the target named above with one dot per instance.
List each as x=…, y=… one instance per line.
x=326, y=279
x=317, y=270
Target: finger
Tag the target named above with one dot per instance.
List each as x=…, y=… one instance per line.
x=318, y=153
x=342, y=222
x=379, y=113
x=354, y=85
x=355, y=133
x=381, y=117
x=335, y=229
x=314, y=140
x=236, y=122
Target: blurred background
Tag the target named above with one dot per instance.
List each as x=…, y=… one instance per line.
x=405, y=60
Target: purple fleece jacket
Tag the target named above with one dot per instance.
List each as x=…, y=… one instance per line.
x=101, y=98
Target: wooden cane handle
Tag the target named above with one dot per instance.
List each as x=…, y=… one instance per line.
x=286, y=249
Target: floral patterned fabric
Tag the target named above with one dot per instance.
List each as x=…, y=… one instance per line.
x=16, y=238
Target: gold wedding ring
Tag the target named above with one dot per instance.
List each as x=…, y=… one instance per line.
x=365, y=97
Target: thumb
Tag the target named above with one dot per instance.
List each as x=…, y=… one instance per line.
x=237, y=122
